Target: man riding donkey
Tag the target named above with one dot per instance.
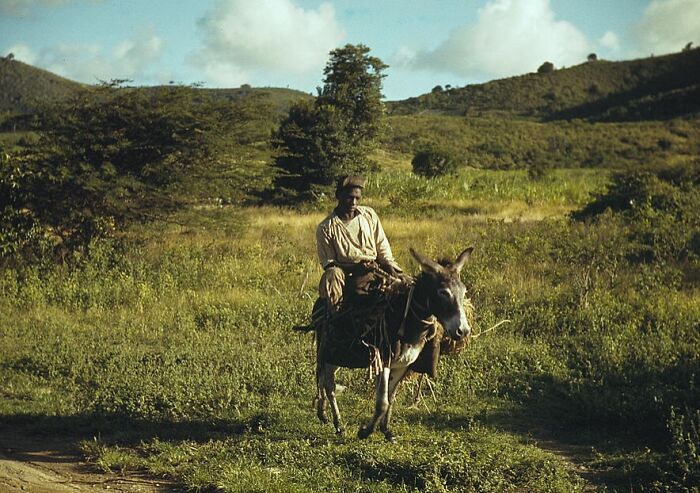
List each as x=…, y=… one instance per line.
x=370, y=315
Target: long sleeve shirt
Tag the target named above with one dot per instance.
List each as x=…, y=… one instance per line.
x=361, y=239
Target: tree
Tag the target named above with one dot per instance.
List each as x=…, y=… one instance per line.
x=546, y=68
x=592, y=57
x=106, y=157
x=334, y=134
x=437, y=89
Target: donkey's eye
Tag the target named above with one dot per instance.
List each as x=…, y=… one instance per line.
x=445, y=293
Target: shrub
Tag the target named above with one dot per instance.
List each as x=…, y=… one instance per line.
x=546, y=68
x=684, y=455
x=661, y=207
x=432, y=161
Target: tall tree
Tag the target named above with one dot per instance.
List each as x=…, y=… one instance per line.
x=336, y=133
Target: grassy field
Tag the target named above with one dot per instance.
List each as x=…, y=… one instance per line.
x=170, y=350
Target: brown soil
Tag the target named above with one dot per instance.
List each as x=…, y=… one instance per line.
x=31, y=463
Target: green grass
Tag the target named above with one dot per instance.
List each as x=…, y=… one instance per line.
x=175, y=351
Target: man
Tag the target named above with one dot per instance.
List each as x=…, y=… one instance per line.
x=351, y=243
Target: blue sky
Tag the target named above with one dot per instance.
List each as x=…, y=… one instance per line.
x=226, y=43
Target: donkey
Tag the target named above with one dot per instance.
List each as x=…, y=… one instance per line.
x=437, y=291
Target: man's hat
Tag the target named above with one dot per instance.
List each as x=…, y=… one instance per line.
x=349, y=182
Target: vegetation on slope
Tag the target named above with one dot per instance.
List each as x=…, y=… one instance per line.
x=503, y=143
x=23, y=87
x=649, y=88
x=28, y=89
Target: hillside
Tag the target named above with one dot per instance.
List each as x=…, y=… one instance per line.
x=649, y=88
x=22, y=86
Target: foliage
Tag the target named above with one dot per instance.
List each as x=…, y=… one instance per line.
x=651, y=88
x=499, y=143
x=662, y=207
x=430, y=161
x=545, y=68
x=104, y=159
x=683, y=468
x=335, y=134
x=165, y=342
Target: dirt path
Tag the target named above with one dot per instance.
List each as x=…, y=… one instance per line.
x=52, y=464
x=577, y=450
x=578, y=456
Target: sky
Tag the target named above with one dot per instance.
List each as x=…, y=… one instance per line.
x=285, y=43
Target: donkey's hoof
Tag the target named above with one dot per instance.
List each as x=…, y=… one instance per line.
x=340, y=431
x=389, y=436
x=323, y=418
x=364, y=432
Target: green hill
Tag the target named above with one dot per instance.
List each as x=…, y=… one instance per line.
x=649, y=88
x=22, y=86
x=280, y=99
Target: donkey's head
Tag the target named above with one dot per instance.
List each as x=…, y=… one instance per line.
x=445, y=292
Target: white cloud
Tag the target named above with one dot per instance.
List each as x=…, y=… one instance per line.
x=131, y=59
x=243, y=38
x=667, y=26
x=22, y=52
x=510, y=37
x=609, y=41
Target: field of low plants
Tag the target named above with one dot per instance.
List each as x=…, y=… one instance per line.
x=168, y=349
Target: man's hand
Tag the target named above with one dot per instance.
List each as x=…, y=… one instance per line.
x=390, y=269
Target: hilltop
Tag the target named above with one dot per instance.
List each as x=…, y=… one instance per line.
x=649, y=88
x=23, y=86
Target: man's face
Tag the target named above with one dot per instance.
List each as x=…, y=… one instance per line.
x=348, y=199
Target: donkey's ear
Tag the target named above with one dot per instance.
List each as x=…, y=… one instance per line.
x=425, y=263
x=459, y=263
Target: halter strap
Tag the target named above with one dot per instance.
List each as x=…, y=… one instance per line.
x=405, y=313
x=409, y=301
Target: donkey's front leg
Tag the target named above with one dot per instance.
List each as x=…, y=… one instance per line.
x=395, y=378
x=381, y=404
x=320, y=400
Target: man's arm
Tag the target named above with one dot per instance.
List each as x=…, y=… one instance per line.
x=324, y=248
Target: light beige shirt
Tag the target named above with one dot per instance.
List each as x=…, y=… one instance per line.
x=362, y=239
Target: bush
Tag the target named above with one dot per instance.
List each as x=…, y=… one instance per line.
x=107, y=157
x=546, y=68
x=432, y=161
x=660, y=206
x=684, y=456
